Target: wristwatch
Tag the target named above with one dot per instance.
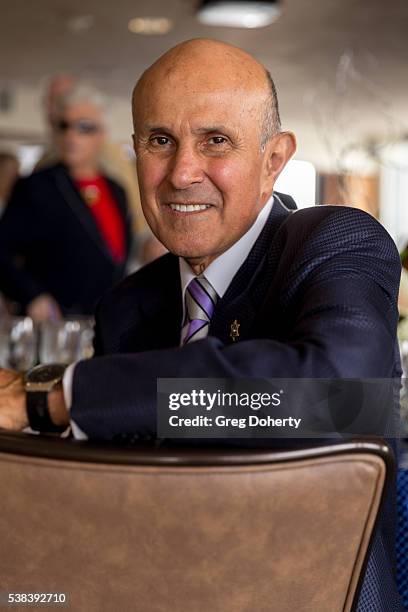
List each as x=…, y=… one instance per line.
x=39, y=381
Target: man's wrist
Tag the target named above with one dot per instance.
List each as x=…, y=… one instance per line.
x=45, y=400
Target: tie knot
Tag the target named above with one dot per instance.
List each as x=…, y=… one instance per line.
x=201, y=298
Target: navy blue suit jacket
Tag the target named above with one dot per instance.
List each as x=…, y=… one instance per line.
x=316, y=298
x=50, y=243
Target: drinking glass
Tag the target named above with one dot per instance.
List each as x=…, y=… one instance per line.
x=66, y=341
x=18, y=343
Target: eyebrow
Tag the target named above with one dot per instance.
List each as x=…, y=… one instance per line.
x=211, y=128
x=203, y=130
x=155, y=128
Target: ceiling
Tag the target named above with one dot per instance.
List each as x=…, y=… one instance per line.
x=340, y=65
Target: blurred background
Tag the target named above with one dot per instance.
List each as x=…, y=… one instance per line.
x=340, y=70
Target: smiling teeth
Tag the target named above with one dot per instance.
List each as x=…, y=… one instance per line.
x=188, y=207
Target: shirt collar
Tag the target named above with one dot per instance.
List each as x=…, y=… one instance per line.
x=222, y=270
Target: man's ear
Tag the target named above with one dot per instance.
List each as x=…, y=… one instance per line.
x=278, y=151
x=134, y=142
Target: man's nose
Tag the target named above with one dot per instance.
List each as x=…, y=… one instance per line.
x=186, y=168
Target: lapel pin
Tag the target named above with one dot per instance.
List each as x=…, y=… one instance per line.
x=90, y=194
x=234, y=333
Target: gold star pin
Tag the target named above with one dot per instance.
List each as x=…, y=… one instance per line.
x=234, y=333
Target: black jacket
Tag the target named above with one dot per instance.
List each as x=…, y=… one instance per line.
x=50, y=243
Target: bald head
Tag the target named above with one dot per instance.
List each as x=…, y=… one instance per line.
x=202, y=65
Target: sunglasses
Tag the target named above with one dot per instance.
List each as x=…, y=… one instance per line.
x=82, y=126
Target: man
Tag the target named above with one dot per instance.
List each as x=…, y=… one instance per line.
x=65, y=236
x=314, y=291
x=113, y=162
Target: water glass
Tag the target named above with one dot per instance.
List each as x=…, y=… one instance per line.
x=66, y=341
x=18, y=343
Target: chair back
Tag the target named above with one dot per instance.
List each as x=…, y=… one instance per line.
x=170, y=530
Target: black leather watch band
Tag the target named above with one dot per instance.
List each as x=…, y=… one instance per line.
x=38, y=413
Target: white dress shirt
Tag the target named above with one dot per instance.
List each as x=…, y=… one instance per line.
x=222, y=270
x=219, y=274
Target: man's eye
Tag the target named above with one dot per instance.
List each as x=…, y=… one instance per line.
x=218, y=140
x=161, y=141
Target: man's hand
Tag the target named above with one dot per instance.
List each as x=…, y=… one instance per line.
x=44, y=308
x=13, y=403
x=13, y=411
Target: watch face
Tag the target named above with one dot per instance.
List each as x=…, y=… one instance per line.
x=45, y=373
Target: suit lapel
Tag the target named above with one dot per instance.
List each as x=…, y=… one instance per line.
x=73, y=199
x=157, y=322
x=164, y=312
x=241, y=300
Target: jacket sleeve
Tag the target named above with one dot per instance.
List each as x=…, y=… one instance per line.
x=20, y=233
x=343, y=326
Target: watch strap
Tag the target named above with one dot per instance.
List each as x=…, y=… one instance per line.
x=38, y=413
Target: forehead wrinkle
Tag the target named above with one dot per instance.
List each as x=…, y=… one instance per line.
x=165, y=99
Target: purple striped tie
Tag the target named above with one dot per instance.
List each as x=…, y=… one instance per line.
x=200, y=303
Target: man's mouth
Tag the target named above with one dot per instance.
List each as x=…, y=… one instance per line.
x=189, y=208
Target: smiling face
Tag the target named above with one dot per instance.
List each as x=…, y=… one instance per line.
x=198, y=128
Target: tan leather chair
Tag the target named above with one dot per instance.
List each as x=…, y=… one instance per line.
x=180, y=530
